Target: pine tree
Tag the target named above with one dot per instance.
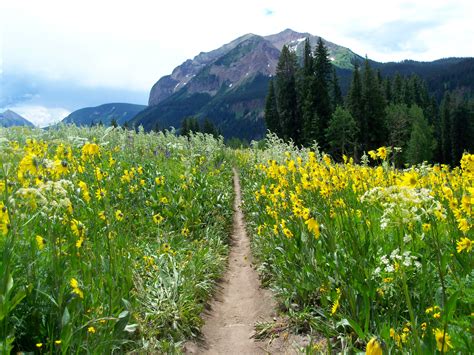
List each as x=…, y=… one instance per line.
x=422, y=143
x=445, y=117
x=209, y=128
x=308, y=67
x=306, y=99
x=185, y=127
x=397, y=90
x=113, y=122
x=388, y=90
x=336, y=94
x=286, y=95
x=271, y=111
x=355, y=105
x=399, y=123
x=322, y=70
x=341, y=132
x=462, y=122
x=374, y=110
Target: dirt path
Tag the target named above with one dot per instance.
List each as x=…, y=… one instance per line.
x=240, y=302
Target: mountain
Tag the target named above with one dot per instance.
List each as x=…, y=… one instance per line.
x=121, y=112
x=229, y=85
x=10, y=119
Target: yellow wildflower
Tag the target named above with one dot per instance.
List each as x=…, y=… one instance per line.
x=426, y=227
x=313, y=227
x=119, y=215
x=75, y=287
x=100, y=193
x=40, y=242
x=91, y=330
x=463, y=225
x=382, y=153
x=158, y=218
x=464, y=244
x=443, y=340
x=373, y=347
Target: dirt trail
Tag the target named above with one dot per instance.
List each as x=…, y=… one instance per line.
x=240, y=302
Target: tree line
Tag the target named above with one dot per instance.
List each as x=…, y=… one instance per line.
x=305, y=104
x=191, y=125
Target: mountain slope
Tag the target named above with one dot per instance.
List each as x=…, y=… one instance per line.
x=121, y=112
x=10, y=119
x=229, y=85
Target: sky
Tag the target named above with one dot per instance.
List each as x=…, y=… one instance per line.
x=60, y=55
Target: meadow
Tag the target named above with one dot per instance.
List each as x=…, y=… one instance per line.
x=113, y=241
x=365, y=256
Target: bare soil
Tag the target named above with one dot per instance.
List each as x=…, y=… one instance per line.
x=240, y=303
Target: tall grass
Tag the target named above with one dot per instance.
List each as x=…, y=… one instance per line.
x=110, y=239
x=365, y=252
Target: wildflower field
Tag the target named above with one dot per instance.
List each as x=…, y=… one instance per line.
x=111, y=240
x=367, y=256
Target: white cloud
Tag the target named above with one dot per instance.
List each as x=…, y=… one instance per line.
x=39, y=115
x=130, y=45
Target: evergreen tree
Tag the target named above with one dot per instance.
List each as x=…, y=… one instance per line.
x=194, y=125
x=286, y=95
x=341, y=132
x=355, y=105
x=271, y=111
x=445, y=116
x=462, y=122
x=388, y=90
x=308, y=69
x=209, y=128
x=322, y=71
x=422, y=143
x=399, y=123
x=113, y=122
x=336, y=94
x=374, y=110
x=398, y=96
x=185, y=127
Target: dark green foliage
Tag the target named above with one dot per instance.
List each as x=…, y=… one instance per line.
x=209, y=128
x=341, y=133
x=421, y=145
x=374, y=134
x=399, y=123
x=285, y=80
x=322, y=72
x=272, y=118
x=336, y=93
x=355, y=104
x=189, y=125
x=445, y=113
x=236, y=143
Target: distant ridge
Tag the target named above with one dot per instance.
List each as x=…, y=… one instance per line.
x=10, y=119
x=104, y=114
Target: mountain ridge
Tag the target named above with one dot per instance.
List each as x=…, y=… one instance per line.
x=228, y=85
x=104, y=114
x=10, y=118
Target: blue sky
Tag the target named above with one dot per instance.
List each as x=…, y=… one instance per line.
x=57, y=55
